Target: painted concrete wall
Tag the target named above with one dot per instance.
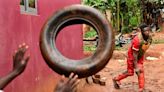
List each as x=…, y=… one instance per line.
x=16, y=28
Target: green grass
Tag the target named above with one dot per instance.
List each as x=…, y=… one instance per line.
x=89, y=48
x=90, y=34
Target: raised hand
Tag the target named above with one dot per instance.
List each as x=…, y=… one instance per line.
x=67, y=85
x=19, y=60
x=19, y=64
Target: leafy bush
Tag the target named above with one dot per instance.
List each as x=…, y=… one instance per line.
x=32, y=3
x=89, y=48
x=134, y=21
x=90, y=34
x=21, y=2
x=126, y=29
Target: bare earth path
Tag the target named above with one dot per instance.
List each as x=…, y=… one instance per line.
x=154, y=73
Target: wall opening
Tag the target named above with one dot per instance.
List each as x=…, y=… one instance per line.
x=28, y=7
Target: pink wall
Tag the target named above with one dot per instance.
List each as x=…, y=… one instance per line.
x=16, y=28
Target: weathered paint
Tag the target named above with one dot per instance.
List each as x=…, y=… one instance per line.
x=16, y=28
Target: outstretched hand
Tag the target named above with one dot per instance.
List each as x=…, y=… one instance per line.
x=19, y=60
x=68, y=85
x=19, y=64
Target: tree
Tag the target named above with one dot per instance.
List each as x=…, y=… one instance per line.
x=125, y=13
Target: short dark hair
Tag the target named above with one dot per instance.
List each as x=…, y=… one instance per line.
x=143, y=26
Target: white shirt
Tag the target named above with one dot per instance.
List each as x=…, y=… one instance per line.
x=1, y=91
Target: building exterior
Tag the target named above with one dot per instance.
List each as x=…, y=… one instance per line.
x=18, y=26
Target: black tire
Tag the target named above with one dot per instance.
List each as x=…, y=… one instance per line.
x=77, y=14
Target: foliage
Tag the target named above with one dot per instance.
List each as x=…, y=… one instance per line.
x=102, y=5
x=21, y=2
x=32, y=3
x=90, y=34
x=126, y=29
x=89, y=48
x=133, y=15
x=133, y=21
x=128, y=11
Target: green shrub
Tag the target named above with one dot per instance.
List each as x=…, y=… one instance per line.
x=90, y=34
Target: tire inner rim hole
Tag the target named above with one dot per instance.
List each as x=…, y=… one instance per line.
x=79, y=37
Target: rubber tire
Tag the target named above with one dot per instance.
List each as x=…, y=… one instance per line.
x=77, y=14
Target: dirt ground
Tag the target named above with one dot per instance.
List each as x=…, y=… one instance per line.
x=153, y=66
x=154, y=73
